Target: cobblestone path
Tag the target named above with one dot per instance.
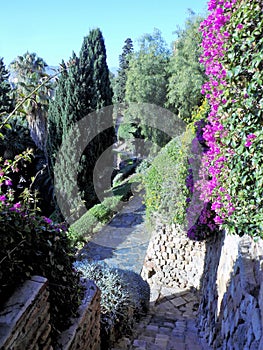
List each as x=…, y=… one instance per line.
x=169, y=325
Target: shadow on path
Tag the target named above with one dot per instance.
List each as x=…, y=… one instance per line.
x=123, y=242
x=169, y=325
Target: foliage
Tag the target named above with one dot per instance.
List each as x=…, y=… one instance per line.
x=147, y=80
x=199, y=113
x=124, y=298
x=83, y=228
x=232, y=169
x=6, y=102
x=186, y=73
x=29, y=72
x=83, y=87
x=147, y=77
x=121, y=79
x=30, y=245
x=168, y=171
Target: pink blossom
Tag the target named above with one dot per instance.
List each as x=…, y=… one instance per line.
x=218, y=220
x=251, y=136
x=16, y=207
x=248, y=144
x=8, y=182
x=47, y=220
x=2, y=198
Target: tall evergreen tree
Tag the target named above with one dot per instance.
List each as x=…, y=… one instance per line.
x=82, y=88
x=5, y=90
x=121, y=79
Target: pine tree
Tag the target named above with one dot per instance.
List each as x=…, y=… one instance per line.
x=124, y=59
x=82, y=88
x=6, y=104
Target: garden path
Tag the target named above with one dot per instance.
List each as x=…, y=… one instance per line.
x=123, y=241
x=170, y=323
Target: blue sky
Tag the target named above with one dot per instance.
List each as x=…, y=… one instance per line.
x=54, y=28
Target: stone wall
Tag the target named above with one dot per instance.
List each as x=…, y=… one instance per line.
x=227, y=271
x=85, y=330
x=24, y=321
x=231, y=310
x=172, y=260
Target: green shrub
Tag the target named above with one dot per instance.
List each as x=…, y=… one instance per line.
x=166, y=192
x=33, y=245
x=124, y=298
x=82, y=229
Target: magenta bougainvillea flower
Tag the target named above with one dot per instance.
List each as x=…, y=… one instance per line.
x=215, y=37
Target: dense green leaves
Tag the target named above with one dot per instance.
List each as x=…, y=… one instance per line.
x=83, y=87
x=147, y=77
x=186, y=73
x=121, y=79
x=5, y=90
x=29, y=72
x=166, y=191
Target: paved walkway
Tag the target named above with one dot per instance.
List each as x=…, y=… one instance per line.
x=123, y=241
x=170, y=323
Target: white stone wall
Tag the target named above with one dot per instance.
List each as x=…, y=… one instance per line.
x=24, y=320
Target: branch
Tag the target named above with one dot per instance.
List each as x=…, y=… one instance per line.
x=28, y=97
x=12, y=251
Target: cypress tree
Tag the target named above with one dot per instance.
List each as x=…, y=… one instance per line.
x=83, y=87
x=6, y=104
x=121, y=79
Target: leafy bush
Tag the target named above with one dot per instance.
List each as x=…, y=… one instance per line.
x=82, y=229
x=124, y=297
x=166, y=192
x=233, y=168
x=30, y=245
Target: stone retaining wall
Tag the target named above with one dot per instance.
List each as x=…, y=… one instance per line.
x=227, y=271
x=24, y=320
x=85, y=330
x=231, y=310
x=172, y=260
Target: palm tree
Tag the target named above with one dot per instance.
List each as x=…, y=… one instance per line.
x=29, y=72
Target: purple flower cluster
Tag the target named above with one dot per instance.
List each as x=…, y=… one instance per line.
x=7, y=200
x=199, y=227
x=200, y=125
x=214, y=160
x=205, y=224
x=249, y=139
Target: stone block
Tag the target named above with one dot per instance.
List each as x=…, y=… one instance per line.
x=256, y=324
x=25, y=317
